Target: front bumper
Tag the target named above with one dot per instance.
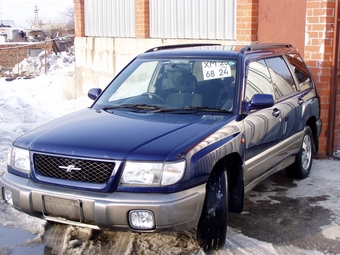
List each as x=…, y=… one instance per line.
x=175, y=211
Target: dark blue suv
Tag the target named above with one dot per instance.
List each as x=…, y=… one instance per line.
x=174, y=142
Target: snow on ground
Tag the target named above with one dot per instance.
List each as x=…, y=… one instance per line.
x=28, y=103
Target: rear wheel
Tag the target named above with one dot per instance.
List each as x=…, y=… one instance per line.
x=212, y=226
x=304, y=159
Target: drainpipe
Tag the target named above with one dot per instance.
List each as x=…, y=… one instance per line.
x=334, y=82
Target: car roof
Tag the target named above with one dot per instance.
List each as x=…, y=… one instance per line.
x=191, y=50
x=215, y=50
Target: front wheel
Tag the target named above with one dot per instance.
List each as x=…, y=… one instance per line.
x=212, y=226
x=304, y=159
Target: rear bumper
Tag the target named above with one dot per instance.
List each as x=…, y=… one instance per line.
x=175, y=211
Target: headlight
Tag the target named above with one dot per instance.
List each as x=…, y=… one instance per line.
x=147, y=173
x=19, y=159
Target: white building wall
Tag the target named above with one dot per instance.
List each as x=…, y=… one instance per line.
x=110, y=18
x=193, y=19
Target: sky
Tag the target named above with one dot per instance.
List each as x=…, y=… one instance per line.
x=22, y=11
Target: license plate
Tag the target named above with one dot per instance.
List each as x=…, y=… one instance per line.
x=69, y=209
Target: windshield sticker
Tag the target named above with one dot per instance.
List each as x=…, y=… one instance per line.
x=215, y=69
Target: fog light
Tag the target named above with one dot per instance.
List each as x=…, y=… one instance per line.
x=8, y=196
x=142, y=219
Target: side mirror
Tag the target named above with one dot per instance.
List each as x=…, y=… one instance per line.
x=260, y=101
x=94, y=93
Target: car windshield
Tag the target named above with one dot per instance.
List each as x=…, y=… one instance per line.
x=172, y=84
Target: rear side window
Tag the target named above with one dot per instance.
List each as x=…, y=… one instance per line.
x=300, y=71
x=282, y=78
x=258, y=81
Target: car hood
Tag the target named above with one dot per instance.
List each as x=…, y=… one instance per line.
x=121, y=134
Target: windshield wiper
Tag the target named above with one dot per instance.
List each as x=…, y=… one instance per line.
x=134, y=106
x=193, y=108
x=156, y=109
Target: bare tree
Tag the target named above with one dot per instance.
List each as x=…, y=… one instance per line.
x=69, y=16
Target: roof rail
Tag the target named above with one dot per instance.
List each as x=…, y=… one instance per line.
x=177, y=46
x=254, y=47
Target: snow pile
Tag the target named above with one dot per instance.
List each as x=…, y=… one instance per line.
x=44, y=63
x=29, y=103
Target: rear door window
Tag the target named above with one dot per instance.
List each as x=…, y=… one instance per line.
x=282, y=78
x=300, y=71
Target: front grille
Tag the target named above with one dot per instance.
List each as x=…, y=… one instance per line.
x=73, y=169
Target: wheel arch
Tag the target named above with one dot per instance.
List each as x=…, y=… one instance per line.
x=234, y=166
x=311, y=122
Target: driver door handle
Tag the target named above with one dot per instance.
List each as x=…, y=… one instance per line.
x=276, y=112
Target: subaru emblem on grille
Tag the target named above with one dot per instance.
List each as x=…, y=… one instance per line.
x=69, y=168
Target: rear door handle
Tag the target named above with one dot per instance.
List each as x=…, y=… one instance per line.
x=300, y=101
x=276, y=112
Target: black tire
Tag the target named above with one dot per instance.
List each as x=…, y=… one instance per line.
x=304, y=159
x=212, y=226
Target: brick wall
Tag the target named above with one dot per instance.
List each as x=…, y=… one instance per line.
x=79, y=21
x=318, y=55
x=247, y=20
x=142, y=19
